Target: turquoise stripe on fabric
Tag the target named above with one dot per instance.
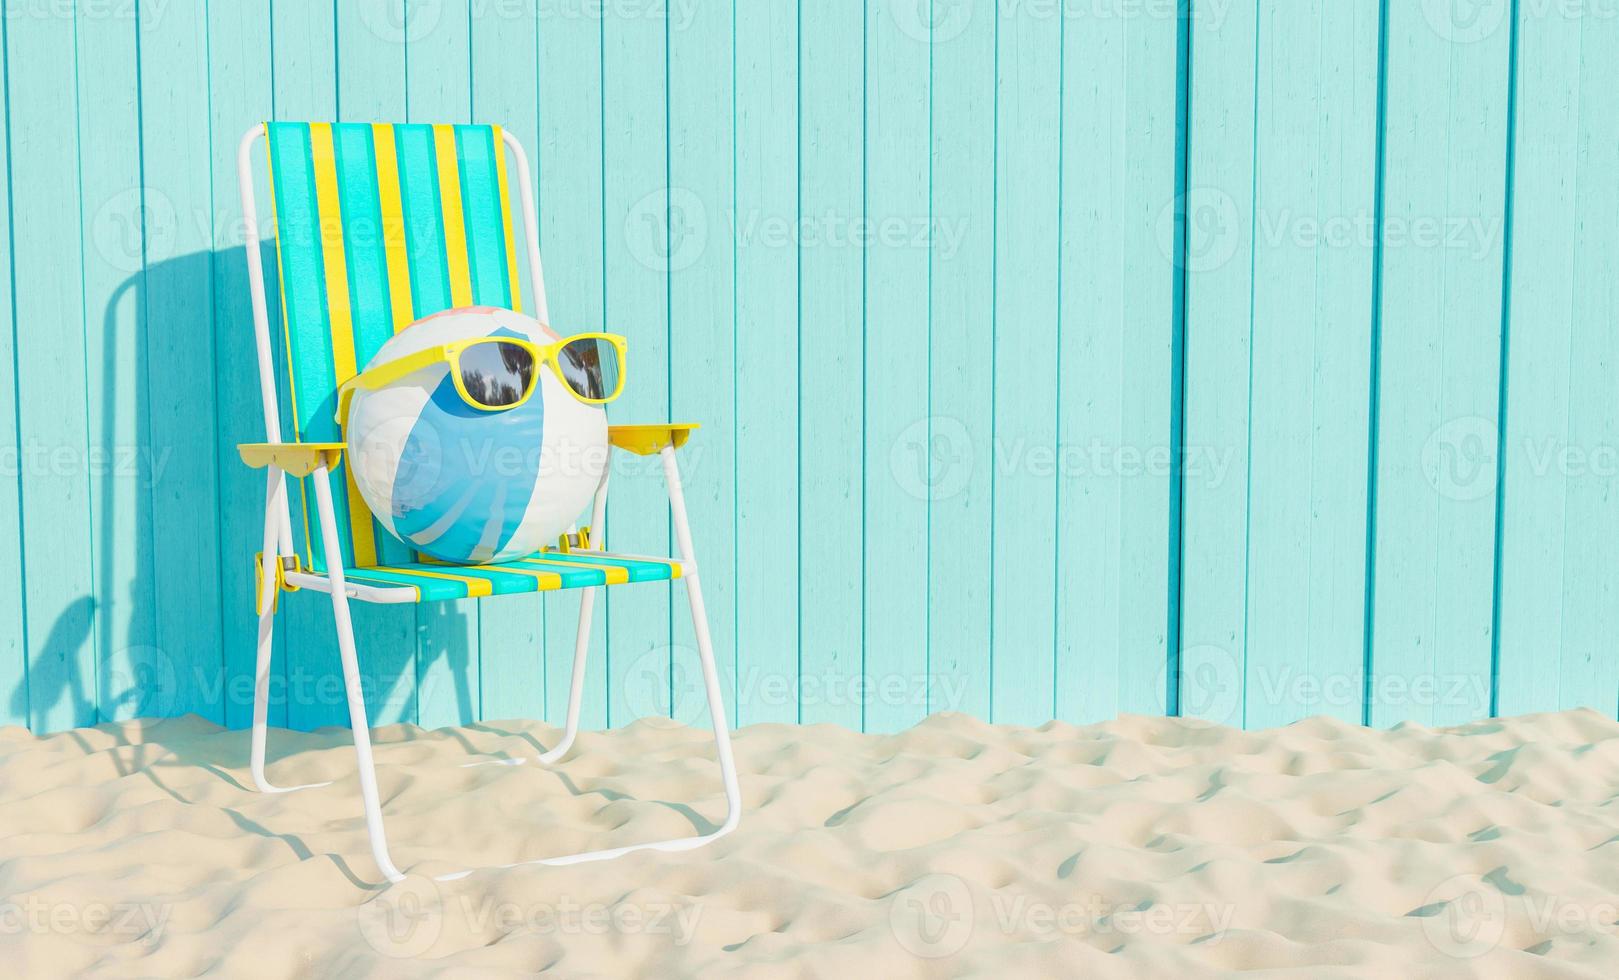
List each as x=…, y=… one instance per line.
x=434, y=589
x=308, y=327
x=431, y=588
x=362, y=240
x=528, y=583
x=640, y=571
x=303, y=272
x=481, y=214
x=424, y=218
x=371, y=309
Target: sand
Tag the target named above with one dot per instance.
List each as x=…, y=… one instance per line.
x=1145, y=847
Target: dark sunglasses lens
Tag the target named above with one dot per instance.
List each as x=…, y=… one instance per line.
x=496, y=375
x=591, y=367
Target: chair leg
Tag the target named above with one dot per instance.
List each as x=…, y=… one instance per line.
x=576, y=684
x=705, y=649
x=581, y=640
x=261, y=673
x=351, y=681
x=711, y=684
x=576, y=691
x=722, y=744
x=581, y=649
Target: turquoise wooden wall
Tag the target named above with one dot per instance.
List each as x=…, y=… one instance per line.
x=1246, y=359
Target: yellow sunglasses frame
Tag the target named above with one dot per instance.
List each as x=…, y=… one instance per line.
x=385, y=374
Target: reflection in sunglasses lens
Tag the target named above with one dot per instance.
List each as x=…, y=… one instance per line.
x=496, y=375
x=591, y=367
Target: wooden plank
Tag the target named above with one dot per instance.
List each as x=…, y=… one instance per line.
x=372, y=36
x=304, y=87
x=134, y=675
x=1315, y=154
x=1536, y=415
x=178, y=299
x=1025, y=366
x=371, y=42
x=1218, y=260
x=1151, y=403
x=637, y=239
x=13, y=639
x=831, y=299
x=1098, y=106
x=58, y=590
x=1119, y=146
x=438, y=89
x=1441, y=330
x=900, y=231
x=569, y=171
x=239, y=90
x=1589, y=672
x=706, y=306
x=773, y=439
x=510, y=632
x=950, y=457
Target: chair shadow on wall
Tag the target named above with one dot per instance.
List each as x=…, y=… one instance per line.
x=140, y=624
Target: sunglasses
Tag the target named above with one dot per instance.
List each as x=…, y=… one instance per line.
x=499, y=373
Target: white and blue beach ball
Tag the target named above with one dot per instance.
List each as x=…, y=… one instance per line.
x=465, y=484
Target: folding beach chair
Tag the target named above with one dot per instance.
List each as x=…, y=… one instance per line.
x=376, y=227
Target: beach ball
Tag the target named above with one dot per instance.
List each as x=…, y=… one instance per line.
x=460, y=482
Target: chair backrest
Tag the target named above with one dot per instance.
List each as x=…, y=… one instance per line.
x=377, y=226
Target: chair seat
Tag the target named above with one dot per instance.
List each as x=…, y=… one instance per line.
x=543, y=571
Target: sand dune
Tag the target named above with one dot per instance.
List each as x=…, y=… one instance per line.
x=1144, y=847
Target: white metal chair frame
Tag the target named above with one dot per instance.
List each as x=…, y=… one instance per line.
x=278, y=544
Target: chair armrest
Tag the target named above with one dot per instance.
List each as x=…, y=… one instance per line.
x=297, y=458
x=646, y=440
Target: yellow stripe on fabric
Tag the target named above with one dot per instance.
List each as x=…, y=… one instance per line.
x=547, y=580
x=286, y=341
x=475, y=586
x=339, y=314
x=455, y=228
x=393, y=226
x=506, y=219
x=615, y=574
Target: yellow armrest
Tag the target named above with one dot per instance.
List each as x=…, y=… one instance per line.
x=644, y=440
x=297, y=458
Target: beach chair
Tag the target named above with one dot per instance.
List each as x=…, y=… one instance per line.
x=376, y=226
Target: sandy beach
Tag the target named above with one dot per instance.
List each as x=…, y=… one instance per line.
x=1144, y=847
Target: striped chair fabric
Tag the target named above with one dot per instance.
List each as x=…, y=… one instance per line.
x=378, y=225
